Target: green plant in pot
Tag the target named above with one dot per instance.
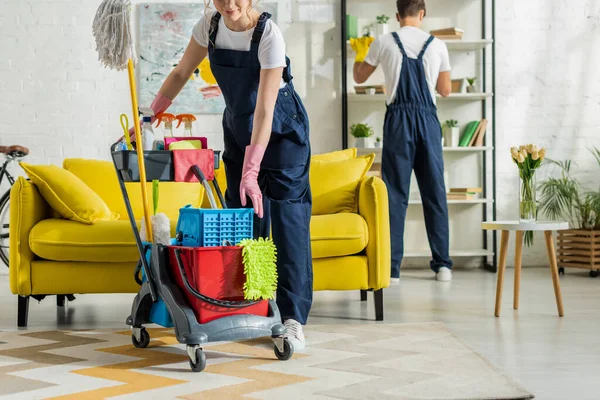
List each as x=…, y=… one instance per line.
x=471, y=88
x=378, y=142
x=382, y=25
x=361, y=133
x=564, y=197
x=451, y=133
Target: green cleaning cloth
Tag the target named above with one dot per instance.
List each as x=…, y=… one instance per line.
x=259, y=257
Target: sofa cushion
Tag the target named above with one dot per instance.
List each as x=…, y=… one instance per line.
x=105, y=241
x=337, y=235
x=101, y=177
x=336, y=155
x=334, y=184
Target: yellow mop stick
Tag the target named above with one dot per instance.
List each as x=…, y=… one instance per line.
x=140, y=150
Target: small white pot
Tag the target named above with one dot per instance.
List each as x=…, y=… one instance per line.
x=451, y=136
x=377, y=144
x=471, y=89
x=360, y=142
x=382, y=29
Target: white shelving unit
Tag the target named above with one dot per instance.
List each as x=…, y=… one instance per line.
x=468, y=166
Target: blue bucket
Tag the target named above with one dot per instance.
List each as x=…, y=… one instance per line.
x=159, y=314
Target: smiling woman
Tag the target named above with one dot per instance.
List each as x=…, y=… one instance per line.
x=265, y=125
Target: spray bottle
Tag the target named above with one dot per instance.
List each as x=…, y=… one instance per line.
x=147, y=131
x=167, y=119
x=187, y=119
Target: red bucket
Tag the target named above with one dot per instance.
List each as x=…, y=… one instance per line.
x=217, y=273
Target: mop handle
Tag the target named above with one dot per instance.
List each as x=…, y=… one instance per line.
x=140, y=151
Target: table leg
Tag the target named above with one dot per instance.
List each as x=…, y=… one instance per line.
x=554, y=271
x=501, y=268
x=518, y=261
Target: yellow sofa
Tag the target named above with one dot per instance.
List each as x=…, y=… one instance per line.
x=50, y=255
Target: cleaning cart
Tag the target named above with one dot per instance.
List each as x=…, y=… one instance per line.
x=196, y=279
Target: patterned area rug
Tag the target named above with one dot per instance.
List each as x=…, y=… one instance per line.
x=375, y=361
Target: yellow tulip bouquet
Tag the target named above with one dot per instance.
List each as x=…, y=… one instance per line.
x=528, y=158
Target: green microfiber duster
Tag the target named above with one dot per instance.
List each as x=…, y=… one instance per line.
x=259, y=258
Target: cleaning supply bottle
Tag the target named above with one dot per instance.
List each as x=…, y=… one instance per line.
x=187, y=120
x=147, y=133
x=167, y=131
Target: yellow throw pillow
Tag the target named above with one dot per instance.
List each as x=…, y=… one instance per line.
x=67, y=194
x=334, y=184
x=337, y=155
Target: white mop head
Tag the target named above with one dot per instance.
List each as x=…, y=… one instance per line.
x=112, y=30
x=161, y=229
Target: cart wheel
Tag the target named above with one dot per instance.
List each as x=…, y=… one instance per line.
x=594, y=274
x=144, y=339
x=200, y=363
x=561, y=271
x=288, y=351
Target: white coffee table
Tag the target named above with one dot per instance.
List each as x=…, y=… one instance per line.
x=506, y=226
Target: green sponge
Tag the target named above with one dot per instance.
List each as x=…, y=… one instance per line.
x=259, y=257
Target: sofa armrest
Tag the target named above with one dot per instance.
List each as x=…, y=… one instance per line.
x=374, y=208
x=27, y=208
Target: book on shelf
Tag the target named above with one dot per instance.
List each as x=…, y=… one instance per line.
x=473, y=134
x=465, y=190
x=448, y=33
x=461, y=196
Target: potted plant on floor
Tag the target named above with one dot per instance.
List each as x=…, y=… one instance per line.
x=382, y=26
x=361, y=133
x=564, y=197
x=451, y=133
x=471, y=88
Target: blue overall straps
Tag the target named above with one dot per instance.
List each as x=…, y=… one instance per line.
x=413, y=140
x=284, y=172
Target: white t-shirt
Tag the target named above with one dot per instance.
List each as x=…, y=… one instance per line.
x=385, y=51
x=271, y=49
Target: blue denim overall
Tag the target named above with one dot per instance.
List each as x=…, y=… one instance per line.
x=284, y=171
x=412, y=140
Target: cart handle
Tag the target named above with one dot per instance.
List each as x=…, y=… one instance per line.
x=210, y=300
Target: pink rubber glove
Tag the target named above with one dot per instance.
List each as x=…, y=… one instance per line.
x=249, y=182
x=159, y=105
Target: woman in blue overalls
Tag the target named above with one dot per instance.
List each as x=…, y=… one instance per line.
x=267, y=149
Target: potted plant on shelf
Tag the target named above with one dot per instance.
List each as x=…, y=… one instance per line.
x=378, y=142
x=471, y=88
x=565, y=198
x=361, y=132
x=382, y=25
x=451, y=133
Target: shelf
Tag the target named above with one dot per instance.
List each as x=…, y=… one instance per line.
x=474, y=201
x=465, y=97
x=466, y=45
x=380, y=98
x=453, y=253
x=453, y=45
x=377, y=150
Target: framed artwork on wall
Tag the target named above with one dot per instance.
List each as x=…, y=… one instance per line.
x=164, y=33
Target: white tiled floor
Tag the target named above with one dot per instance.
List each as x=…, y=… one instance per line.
x=555, y=358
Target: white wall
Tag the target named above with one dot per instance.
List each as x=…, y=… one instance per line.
x=57, y=99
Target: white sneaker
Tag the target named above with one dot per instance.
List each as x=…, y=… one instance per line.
x=444, y=274
x=395, y=281
x=294, y=334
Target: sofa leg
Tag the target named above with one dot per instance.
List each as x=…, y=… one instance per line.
x=23, y=311
x=379, y=305
x=363, y=295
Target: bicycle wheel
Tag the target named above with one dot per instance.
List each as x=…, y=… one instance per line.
x=4, y=220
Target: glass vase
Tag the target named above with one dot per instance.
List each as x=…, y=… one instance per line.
x=527, y=198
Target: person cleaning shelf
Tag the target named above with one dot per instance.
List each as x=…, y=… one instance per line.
x=415, y=65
